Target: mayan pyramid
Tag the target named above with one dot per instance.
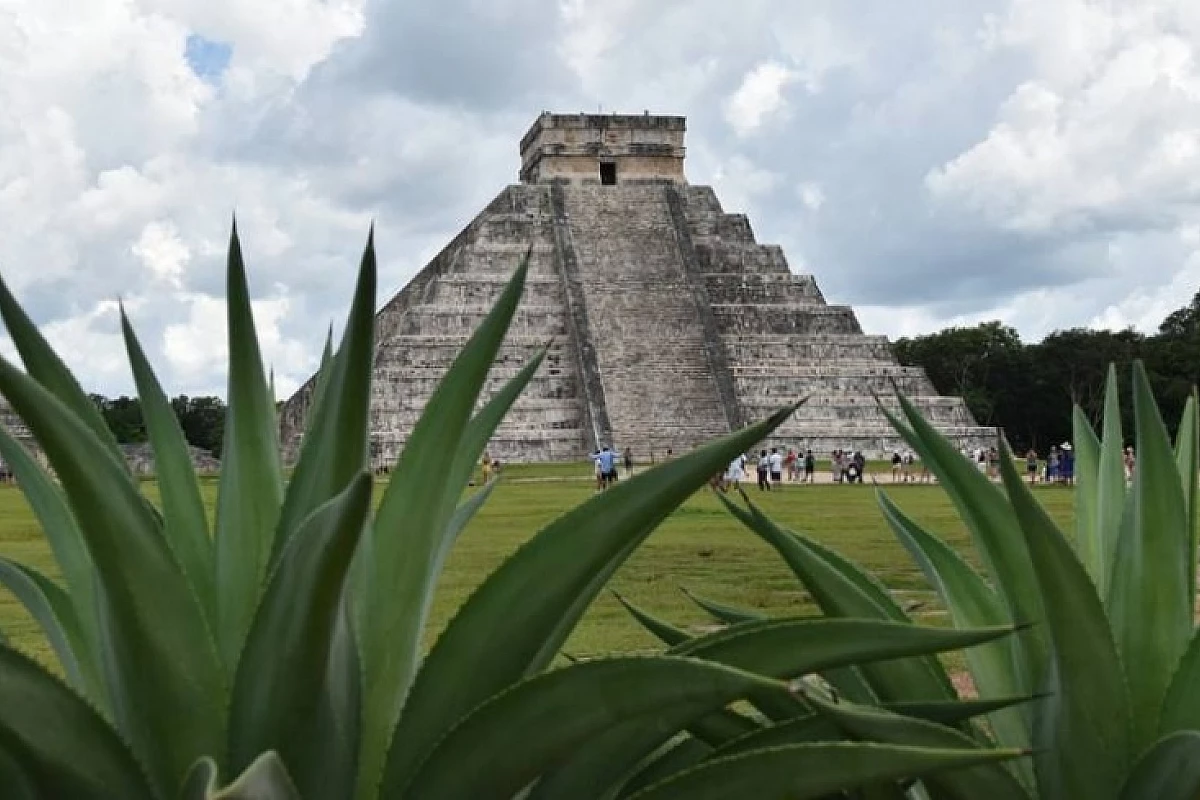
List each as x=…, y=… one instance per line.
x=670, y=323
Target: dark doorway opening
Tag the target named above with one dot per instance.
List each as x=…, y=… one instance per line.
x=608, y=174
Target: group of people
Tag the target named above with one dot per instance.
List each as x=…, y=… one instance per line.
x=605, y=461
x=770, y=467
x=1060, y=465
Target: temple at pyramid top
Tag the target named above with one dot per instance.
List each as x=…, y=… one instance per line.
x=603, y=149
x=669, y=322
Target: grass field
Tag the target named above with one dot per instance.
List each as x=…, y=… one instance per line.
x=699, y=547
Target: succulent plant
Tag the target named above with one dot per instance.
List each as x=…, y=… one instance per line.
x=1102, y=681
x=284, y=644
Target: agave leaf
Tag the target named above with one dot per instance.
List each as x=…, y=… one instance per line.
x=680, y=755
x=993, y=530
x=1081, y=729
x=1187, y=457
x=63, y=747
x=251, y=485
x=723, y=726
x=511, y=739
x=324, y=371
x=519, y=617
x=730, y=615
x=281, y=679
x=1088, y=542
x=842, y=589
x=972, y=604
x=265, y=779
x=791, y=647
x=774, y=648
x=1170, y=770
x=334, y=450
x=803, y=771
x=402, y=556
x=17, y=783
x=667, y=633
x=1181, y=706
x=47, y=369
x=984, y=782
x=810, y=727
x=1110, y=489
x=951, y=712
x=70, y=551
x=151, y=613
x=1149, y=605
x=184, y=520
x=51, y=608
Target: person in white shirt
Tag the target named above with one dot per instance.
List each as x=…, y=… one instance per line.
x=764, y=471
x=736, y=473
x=775, y=462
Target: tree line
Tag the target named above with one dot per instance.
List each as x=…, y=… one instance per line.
x=201, y=418
x=1029, y=389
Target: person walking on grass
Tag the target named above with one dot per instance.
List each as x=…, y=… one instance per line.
x=776, y=464
x=1031, y=465
x=764, y=472
x=897, y=461
x=628, y=455
x=810, y=465
x=736, y=472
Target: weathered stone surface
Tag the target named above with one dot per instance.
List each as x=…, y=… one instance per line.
x=669, y=323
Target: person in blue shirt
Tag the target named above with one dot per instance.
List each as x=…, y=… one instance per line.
x=606, y=460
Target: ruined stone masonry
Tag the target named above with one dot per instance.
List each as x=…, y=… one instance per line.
x=669, y=322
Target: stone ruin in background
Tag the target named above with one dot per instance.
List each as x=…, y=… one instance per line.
x=670, y=323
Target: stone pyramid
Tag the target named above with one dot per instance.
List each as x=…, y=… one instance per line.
x=670, y=323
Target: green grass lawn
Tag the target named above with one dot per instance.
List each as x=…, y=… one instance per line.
x=699, y=547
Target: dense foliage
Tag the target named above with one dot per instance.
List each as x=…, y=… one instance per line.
x=286, y=642
x=1100, y=685
x=202, y=419
x=1029, y=389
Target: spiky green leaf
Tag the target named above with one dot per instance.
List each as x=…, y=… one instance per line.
x=184, y=520
x=61, y=744
x=511, y=739
x=1187, y=457
x=972, y=604
x=150, y=615
x=664, y=631
x=281, y=688
x=723, y=612
x=334, y=450
x=519, y=617
x=51, y=609
x=1081, y=729
x=1149, y=606
x=251, y=486
x=984, y=782
x=402, y=555
x=1170, y=770
x=804, y=771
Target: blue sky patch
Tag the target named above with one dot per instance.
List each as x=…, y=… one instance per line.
x=208, y=58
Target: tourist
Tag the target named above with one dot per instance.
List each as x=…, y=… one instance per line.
x=776, y=464
x=1052, y=465
x=486, y=467
x=897, y=461
x=1066, y=465
x=628, y=461
x=835, y=466
x=810, y=465
x=764, y=471
x=606, y=467
x=1130, y=462
x=791, y=466
x=1031, y=465
x=736, y=472
x=906, y=466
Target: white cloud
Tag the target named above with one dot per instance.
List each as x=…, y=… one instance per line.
x=811, y=195
x=759, y=97
x=163, y=252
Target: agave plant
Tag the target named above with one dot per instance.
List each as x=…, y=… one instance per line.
x=1110, y=658
x=284, y=644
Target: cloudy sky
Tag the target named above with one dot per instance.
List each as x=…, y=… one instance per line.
x=938, y=162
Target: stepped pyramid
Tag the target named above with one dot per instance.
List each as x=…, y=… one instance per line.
x=670, y=323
